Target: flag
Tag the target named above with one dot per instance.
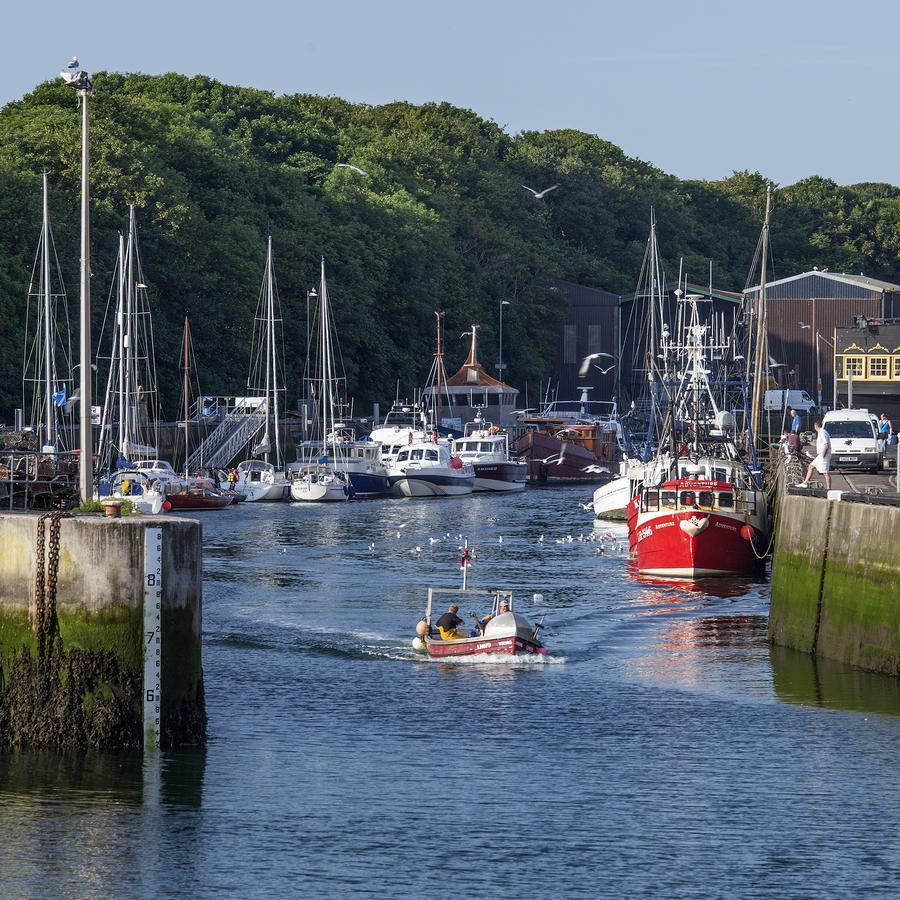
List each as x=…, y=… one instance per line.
x=59, y=398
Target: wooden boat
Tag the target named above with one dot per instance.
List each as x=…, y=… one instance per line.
x=502, y=631
x=197, y=498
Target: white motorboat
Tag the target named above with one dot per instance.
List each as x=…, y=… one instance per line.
x=486, y=448
x=611, y=499
x=261, y=482
x=428, y=469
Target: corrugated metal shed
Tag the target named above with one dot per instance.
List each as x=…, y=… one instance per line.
x=590, y=325
x=801, y=305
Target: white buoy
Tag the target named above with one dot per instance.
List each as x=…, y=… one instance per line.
x=418, y=644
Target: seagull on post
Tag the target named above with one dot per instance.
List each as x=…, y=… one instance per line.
x=539, y=195
x=586, y=363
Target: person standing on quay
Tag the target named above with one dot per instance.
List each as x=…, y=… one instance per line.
x=794, y=441
x=822, y=461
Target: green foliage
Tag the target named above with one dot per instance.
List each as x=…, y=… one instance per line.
x=441, y=222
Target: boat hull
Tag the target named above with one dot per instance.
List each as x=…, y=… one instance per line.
x=260, y=492
x=554, y=461
x=500, y=477
x=432, y=485
x=368, y=484
x=190, y=502
x=513, y=645
x=319, y=492
x=692, y=545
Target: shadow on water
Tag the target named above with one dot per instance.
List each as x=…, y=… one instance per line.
x=174, y=778
x=815, y=681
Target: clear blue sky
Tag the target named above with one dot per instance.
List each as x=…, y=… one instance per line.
x=789, y=87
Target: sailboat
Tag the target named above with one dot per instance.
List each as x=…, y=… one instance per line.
x=46, y=373
x=321, y=479
x=129, y=425
x=258, y=479
x=194, y=493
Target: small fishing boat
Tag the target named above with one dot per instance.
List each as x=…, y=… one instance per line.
x=501, y=631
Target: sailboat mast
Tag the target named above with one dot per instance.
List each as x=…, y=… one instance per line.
x=49, y=419
x=762, y=343
x=438, y=369
x=128, y=359
x=120, y=323
x=270, y=279
x=268, y=343
x=327, y=396
x=187, y=434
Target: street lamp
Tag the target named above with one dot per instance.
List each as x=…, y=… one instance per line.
x=81, y=83
x=819, y=337
x=501, y=365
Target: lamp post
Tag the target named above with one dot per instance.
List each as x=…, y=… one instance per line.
x=81, y=82
x=501, y=365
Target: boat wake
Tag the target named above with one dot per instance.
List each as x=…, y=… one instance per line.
x=531, y=661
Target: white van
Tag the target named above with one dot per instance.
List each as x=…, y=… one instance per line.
x=778, y=401
x=854, y=439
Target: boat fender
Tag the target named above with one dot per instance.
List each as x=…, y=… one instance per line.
x=747, y=532
x=167, y=505
x=422, y=628
x=456, y=462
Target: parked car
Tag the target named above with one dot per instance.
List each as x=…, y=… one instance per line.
x=854, y=439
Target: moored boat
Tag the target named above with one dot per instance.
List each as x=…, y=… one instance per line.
x=486, y=448
x=428, y=469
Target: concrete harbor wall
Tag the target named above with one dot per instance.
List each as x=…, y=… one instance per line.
x=72, y=661
x=836, y=581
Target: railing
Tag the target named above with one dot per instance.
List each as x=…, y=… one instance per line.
x=244, y=418
x=30, y=480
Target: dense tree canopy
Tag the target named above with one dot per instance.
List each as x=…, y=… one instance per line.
x=440, y=222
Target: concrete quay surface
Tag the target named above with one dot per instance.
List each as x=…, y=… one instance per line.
x=72, y=660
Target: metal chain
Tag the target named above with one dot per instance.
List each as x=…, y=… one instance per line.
x=45, y=586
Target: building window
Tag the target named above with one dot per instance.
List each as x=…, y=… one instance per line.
x=855, y=366
x=595, y=336
x=569, y=353
x=878, y=367
x=896, y=367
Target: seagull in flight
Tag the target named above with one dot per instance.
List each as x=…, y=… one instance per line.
x=74, y=63
x=586, y=363
x=606, y=370
x=539, y=195
x=352, y=168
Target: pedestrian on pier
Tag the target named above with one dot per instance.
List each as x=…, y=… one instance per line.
x=822, y=461
x=886, y=432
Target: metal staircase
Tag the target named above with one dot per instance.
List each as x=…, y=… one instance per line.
x=237, y=429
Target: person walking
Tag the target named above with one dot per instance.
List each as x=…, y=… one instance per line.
x=822, y=461
x=885, y=432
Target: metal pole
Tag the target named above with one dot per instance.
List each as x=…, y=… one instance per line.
x=85, y=444
x=818, y=375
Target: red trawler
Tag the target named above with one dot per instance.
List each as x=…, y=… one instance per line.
x=710, y=520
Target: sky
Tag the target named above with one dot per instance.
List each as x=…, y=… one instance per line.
x=790, y=88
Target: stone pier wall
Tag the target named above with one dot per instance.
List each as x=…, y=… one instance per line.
x=71, y=667
x=836, y=581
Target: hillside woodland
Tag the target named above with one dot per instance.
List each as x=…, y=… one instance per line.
x=440, y=221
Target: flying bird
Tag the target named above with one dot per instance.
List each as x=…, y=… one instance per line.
x=352, y=168
x=586, y=362
x=73, y=64
x=606, y=370
x=539, y=195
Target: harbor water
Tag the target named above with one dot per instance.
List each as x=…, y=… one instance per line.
x=661, y=748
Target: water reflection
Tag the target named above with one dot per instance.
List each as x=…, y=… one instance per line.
x=816, y=681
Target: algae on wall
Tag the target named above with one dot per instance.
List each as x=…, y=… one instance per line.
x=79, y=682
x=835, y=578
